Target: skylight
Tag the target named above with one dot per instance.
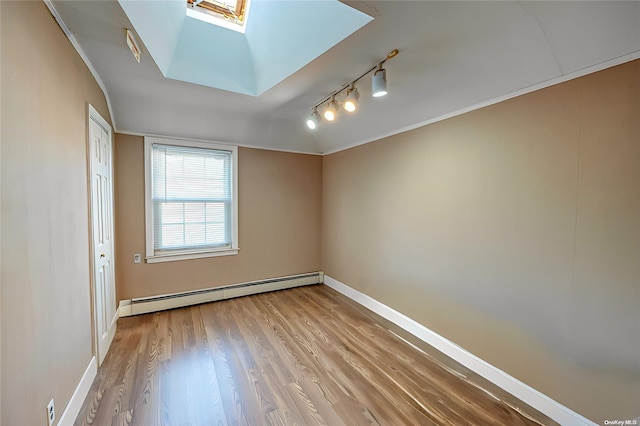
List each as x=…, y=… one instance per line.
x=196, y=45
x=231, y=14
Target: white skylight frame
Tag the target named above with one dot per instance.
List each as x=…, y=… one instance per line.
x=205, y=15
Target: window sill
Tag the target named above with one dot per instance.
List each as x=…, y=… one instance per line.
x=173, y=257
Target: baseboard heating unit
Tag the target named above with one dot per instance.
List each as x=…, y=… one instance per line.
x=143, y=305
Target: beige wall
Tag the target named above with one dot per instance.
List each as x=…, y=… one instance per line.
x=513, y=231
x=279, y=224
x=46, y=310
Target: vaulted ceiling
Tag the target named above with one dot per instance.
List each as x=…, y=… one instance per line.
x=454, y=56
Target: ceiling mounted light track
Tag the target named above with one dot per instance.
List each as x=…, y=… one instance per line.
x=378, y=89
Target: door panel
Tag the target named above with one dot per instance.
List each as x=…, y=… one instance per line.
x=102, y=224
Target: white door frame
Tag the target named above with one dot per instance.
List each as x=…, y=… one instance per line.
x=93, y=114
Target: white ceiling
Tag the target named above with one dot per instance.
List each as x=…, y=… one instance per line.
x=454, y=56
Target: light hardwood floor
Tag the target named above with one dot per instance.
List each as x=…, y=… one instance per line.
x=302, y=356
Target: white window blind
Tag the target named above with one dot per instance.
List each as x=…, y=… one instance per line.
x=192, y=198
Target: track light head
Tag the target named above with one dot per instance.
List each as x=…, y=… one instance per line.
x=351, y=104
x=314, y=119
x=332, y=110
x=379, y=82
x=378, y=86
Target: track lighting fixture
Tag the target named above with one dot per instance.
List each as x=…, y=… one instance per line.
x=314, y=119
x=351, y=104
x=379, y=82
x=332, y=110
x=378, y=89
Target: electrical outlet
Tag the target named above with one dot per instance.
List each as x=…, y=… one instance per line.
x=51, y=413
x=137, y=258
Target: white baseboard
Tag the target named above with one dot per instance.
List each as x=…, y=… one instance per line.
x=178, y=300
x=124, y=308
x=72, y=410
x=515, y=387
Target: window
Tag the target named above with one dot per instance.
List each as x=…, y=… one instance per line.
x=191, y=199
x=229, y=14
x=233, y=10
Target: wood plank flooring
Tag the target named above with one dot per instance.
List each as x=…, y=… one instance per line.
x=304, y=356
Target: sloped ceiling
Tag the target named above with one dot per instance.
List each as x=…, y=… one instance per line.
x=453, y=56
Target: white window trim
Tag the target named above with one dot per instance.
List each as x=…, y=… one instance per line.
x=151, y=257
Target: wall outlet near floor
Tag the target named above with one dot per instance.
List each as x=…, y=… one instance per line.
x=137, y=258
x=51, y=413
